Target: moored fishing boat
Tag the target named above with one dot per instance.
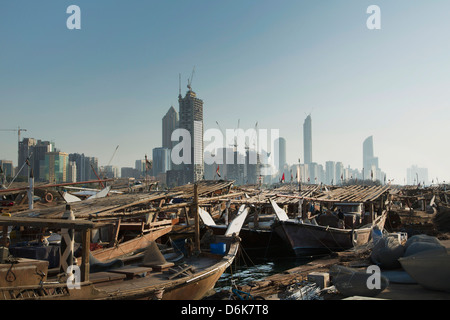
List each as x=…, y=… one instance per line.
x=307, y=237
x=151, y=277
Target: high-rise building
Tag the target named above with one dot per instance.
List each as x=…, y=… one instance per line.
x=80, y=163
x=191, y=119
x=35, y=151
x=55, y=167
x=161, y=161
x=72, y=174
x=92, y=168
x=169, y=124
x=370, y=162
x=85, y=166
x=307, y=140
x=340, y=176
x=7, y=169
x=25, y=151
x=128, y=172
x=235, y=166
x=280, y=154
x=39, y=151
x=252, y=167
x=140, y=167
x=316, y=173
x=416, y=175
x=330, y=172
x=109, y=172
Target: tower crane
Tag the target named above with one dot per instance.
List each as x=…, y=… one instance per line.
x=190, y=80
x=235, y=136
x=113, y=155
x=18, y=130
x=252, y=138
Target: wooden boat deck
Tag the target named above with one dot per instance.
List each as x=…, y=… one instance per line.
x=153, y=278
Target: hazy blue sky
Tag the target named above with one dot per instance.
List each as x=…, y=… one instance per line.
x=274, y=62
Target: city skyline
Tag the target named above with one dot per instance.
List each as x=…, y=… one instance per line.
x=111, y=82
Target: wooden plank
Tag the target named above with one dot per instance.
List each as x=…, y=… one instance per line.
x=49, y=223
x=115, y=233
x=105, y=276
x=159, y=267
x=86, y=243
x=197, y=219
x=132, y=272
x=178, y=272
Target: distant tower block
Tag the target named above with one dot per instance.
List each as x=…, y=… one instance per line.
x=307, y=140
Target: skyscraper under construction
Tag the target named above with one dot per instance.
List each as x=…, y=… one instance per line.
x=190, y=119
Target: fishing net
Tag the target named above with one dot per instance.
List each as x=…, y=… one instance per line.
x=351, y=282
x=386, y=253
x=422, y=242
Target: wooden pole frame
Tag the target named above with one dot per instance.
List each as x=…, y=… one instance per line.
x=197, y=219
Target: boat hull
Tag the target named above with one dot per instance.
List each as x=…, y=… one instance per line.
x=194, y=287
x=258, y=241
x=308, y=239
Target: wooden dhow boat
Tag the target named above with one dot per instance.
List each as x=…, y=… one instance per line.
x=257, y=238
x=307, y=237
x=149, y=276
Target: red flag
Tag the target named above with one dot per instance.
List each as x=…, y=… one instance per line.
x=282, y=179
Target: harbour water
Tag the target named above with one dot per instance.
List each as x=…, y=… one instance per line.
x=246, y=269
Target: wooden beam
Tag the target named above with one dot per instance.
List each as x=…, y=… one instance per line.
x=5, y=236
x=197, y=219
x=49, y=223
x=86, y=244
x=115, y=233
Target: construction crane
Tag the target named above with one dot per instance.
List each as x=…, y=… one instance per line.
x=235, y=136
x=113, y=155
x=103, y=173
x=190, y=80
x=18, y=130
x=252, y=138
